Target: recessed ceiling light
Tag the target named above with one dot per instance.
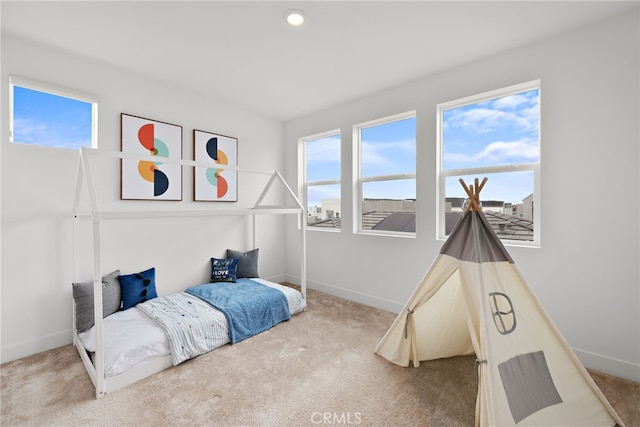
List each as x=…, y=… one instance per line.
x=294, y=17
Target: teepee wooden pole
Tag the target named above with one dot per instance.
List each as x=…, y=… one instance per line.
x=473, y=192
x=473, y=204
x=479, y=189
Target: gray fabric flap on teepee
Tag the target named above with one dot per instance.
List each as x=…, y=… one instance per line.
x=473, y=239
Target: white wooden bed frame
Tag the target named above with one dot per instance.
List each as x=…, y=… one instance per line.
x=95, y=369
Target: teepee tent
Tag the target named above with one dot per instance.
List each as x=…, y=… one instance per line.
x=473, y=299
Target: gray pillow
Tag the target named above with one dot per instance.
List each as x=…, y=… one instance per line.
x=83, y=296
x=248, y=264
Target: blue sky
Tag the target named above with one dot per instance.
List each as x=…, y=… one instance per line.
x=50, y=120
x=386, y=150
x=389, y=148
x=498, y=132
x=323, y=158
x=492, y=133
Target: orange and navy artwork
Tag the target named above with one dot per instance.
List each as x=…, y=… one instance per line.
x=214, y=175
x=145, y=179
x=149, y=170
x=215, y=183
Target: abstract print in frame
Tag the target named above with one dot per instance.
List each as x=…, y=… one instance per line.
x=215, y=183
x=144, y=179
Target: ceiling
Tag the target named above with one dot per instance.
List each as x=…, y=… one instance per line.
x=243, y=53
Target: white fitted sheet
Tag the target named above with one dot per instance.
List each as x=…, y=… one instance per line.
x=131, y=338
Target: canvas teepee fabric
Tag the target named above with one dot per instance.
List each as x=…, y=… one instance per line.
x=473, y=299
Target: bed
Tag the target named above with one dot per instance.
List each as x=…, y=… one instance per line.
x=135, y=337
x=121, y=341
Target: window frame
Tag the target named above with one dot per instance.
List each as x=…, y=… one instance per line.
x=56, y=90
x=359, y=180
x=480, y=172
x=302, y=142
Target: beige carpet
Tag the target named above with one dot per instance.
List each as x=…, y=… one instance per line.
x=316, y=369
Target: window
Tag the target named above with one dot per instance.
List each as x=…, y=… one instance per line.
x=322, y=180
x=42, y=114
x=386, y=184
x=494, y=135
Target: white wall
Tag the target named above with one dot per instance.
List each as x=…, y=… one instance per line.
x=38, y=189
x=586, y=271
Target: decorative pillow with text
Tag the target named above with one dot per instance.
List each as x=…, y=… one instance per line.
x=224, y=270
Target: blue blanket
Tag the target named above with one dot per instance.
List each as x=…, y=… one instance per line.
x=250, y=307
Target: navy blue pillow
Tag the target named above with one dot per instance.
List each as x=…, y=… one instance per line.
x=224, y=270
x=138, y=287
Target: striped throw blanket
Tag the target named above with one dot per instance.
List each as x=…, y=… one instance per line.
x=192, y=326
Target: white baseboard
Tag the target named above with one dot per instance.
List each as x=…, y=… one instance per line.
x=359, y=297
x=27, y=348
x=608, y=365
x=596, y=362
x=277, y=279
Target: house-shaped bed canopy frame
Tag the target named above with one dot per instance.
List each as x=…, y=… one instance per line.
x=85, y=179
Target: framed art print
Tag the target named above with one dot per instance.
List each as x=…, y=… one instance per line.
x=215, y=183
x=150, y=180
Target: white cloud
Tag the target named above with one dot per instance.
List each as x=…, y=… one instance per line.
x=499, y=152
x=378, y=153
x=66, y=135
x=483, y=120
x=519, y=111
x=28, y=130
x=511, y=101
x=458, y=158
x=504, y=151
x=371, y=155
x=324, y=150
x=477, y=120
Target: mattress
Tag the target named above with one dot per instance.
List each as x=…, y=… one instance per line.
x=132, y=338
